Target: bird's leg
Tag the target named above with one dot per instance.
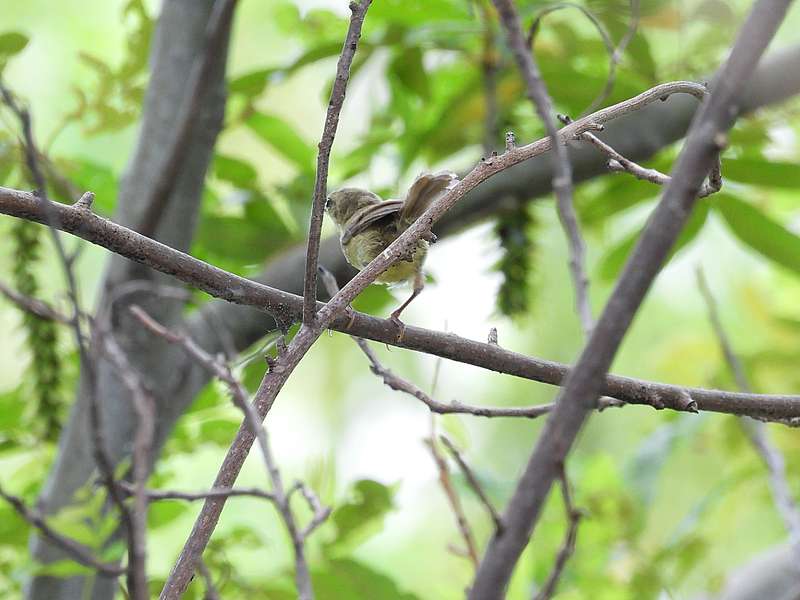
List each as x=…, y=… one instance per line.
x=419, y=283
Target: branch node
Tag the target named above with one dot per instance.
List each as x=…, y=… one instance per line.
x=511, y=141
x=85, y=202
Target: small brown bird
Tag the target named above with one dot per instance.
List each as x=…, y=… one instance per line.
x=367, y=225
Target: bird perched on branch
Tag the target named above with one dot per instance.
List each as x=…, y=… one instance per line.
x=367, y=225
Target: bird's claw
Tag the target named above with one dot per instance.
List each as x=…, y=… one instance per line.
x=401, y=327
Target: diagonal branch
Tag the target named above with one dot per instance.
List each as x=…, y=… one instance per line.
x=562, y=171
x=584, y=385
x=756, y=431
x=359, y=11
x=75, y=550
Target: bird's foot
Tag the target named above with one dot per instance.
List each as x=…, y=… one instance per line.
x=351, y=316
x=401, y=327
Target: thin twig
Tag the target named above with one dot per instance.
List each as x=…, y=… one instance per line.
x=157, y=495
x=145, y=407
x=197, y=81
x=455, y=503
x=585, y=383
x=619, y=163
x=568, y=547
x=756, y=431
x=473, y=482
x=562, y=171
x=136, y=577
x=319, y=512
x=36, y=307
x=78, y=552
x=359, y=11
x=240, y=398
x=208, y=580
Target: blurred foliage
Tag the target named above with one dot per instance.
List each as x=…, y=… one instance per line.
x=672, y=502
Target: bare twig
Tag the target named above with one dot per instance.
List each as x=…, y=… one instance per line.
x=755, y=431
x=568, y=547
x=562, y=171
x=619, y=163
x=586, y=381
x=36, y=307
x=455, y=503
x=240, y=398
x=144, y=407
x=51, y=218
x=217, y=29
x=319, y=512
x=156, y=495
x=75, y=550
x=359, y=11
x=473, y=482
x=208, y=580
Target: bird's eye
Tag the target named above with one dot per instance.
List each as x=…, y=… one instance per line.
x=328, y=203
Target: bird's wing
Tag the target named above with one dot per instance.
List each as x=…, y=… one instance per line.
x=368, y=215
x=425, y=189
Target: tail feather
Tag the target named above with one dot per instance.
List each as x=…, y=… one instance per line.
x=425, y=189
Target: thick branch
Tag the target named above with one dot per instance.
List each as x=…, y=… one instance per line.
x=197, y=84
x=585, y=382
x=288, y=308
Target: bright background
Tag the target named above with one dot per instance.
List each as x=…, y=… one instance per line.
x=673, y=502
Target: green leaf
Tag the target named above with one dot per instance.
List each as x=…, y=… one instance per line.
x=361, y=517
x=762, y=172
x=409, y=69
x=236, y=241
x=234, y=170
x=350, y=580
x=758, y=231
x=11, y=43
x=97, y=178
x=251, y=84
x=612, y=262
x=164, y=512
x=283, y=138
x=316, y=53
x=373, y=299
x=219, y=431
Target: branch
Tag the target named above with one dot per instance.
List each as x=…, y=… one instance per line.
x=455, y=504
x=288, y=308
x=562, y=170
x=197, y=84
x=359, y=10
x=240, y=397
x=473, y=482
x=135, y=577
x=586, y=381
x=756, y=431
x=568, y=547
x=618, y=163
x=157, y=495
x=36, y=307
x=77, y=551
x=144, y=407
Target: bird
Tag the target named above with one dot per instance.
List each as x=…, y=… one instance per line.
x=368, y=225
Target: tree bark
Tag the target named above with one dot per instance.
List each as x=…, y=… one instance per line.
x=179, y=38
